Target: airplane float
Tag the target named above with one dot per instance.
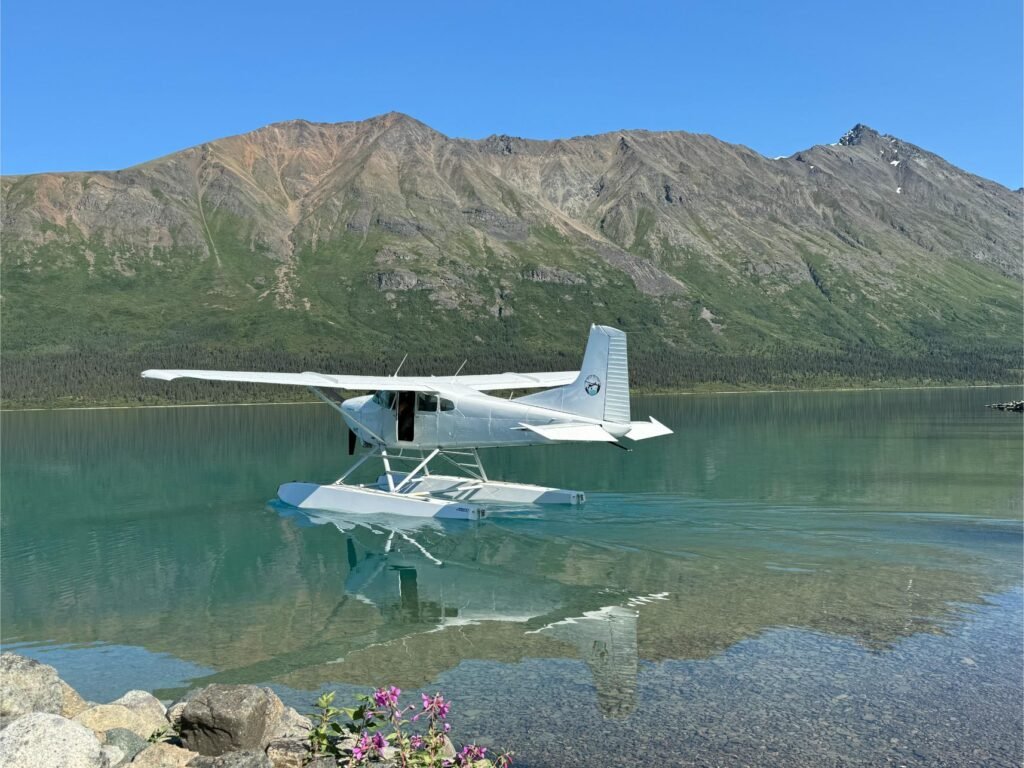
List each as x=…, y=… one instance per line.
x=421, y=419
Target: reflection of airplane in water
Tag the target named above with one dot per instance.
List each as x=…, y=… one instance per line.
x=398, y=571
x=606, y=639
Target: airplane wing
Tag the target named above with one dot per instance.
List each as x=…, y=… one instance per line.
x=361, y=383
x=494, y=381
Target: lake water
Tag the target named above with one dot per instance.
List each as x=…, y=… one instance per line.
x=790, y=579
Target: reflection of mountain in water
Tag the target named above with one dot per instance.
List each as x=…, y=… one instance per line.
x=107, y=539
x=281, y=600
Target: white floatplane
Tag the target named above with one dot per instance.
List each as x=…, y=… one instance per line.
x=420, y=419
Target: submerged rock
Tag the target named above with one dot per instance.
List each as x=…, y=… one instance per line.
x=46, y=740
x=229, y=718
x=27, y=686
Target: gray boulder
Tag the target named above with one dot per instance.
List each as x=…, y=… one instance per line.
x=174, y=713
x=145, y=704
x=291, y=725
x=247, y=759
x=288, y=753
x=128, y=741
x=44, y=740
x=104, y=717
x=229, y=718
x=73, y=703
x=289, y=743
x=113, y=755
x=162, y=756
x=27, y=686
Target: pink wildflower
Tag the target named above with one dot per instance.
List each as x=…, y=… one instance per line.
x=387, y=697
x=436, y=706
x=470, y=754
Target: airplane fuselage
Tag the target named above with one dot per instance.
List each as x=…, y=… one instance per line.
x=398, y=420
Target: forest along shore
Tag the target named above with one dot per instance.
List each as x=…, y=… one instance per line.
x=101, y=378
x=665, y=393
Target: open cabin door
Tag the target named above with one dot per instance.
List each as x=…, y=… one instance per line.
x=406, y=417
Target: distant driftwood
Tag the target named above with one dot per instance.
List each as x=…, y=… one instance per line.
x=1013, y=405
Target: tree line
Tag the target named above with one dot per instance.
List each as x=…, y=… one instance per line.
x=112, y=377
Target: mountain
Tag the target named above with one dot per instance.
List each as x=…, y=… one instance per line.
x=350, y=244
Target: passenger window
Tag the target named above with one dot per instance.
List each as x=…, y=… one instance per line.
x=427, y=403
x=447, y=405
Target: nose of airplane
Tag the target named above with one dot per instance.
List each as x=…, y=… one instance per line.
x=350, y=410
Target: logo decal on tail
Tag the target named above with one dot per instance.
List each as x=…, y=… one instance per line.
x=592, y=385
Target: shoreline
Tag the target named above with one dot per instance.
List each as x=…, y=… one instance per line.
x=688, y=393
x=44, y=717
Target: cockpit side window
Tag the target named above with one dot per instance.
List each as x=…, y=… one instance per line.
x=426, y=403
x=384, y=399
x=447, y=405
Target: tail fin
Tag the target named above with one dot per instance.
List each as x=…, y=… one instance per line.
x=601, y=391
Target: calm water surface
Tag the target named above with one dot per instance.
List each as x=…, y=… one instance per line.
x=790, y=579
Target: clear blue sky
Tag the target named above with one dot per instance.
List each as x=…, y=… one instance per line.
x=99, y=85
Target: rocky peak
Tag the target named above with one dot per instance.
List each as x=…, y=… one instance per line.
x=402, y=122
x=501, y=144
x=858, y=134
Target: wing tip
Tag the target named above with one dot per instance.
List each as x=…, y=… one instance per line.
x=154, y=373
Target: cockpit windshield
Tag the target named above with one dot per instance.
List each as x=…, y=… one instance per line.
x=384, y=399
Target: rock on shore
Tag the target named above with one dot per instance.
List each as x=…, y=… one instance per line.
x=27, y=686
x=46, y=724
x=45, y=740
x=229, y=718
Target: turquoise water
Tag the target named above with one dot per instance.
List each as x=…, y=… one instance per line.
x=790, y=579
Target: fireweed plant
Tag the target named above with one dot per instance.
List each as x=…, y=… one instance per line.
x=357, y=736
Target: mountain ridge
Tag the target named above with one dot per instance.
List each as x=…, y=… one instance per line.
x=297, y=231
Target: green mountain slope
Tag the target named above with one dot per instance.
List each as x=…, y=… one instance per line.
x=345, y=246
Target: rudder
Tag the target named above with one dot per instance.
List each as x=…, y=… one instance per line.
x=601, y=391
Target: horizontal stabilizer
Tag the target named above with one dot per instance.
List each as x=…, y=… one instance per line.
x=571, y=432
x=642, y=430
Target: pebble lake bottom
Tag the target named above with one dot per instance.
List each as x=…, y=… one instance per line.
x=791, y=579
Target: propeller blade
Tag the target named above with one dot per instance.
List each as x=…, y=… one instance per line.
x=351, y=442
